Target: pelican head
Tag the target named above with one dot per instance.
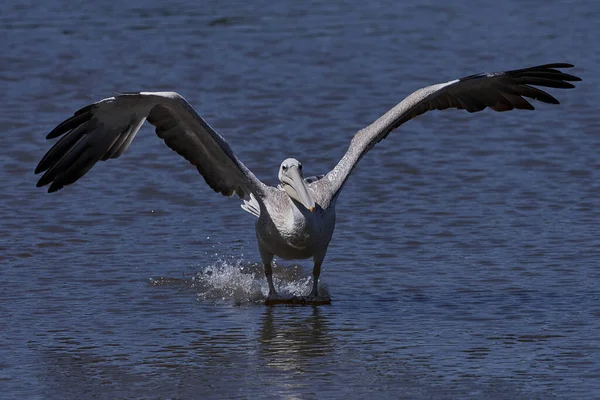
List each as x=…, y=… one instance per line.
x=290, y=175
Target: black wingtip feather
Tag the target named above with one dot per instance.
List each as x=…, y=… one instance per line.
x=45, y=179
x=553, y=65
x=553, y=83
x=551, y=75
x=548, y=100
x=85, y=109
x=126, y=93
x=55, y=187
x=71, y=123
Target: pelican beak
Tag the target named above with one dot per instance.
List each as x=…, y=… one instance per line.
x=297, y=189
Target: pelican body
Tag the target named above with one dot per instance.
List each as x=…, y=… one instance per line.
x=296, y=219
x=292, y=225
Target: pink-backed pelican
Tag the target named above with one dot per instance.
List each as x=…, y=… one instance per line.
x=296, y=219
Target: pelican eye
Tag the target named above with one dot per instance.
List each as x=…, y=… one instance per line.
x=299, y=167
x=284, y=167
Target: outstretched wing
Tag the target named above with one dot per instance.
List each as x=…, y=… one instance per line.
x=500, y=91
x=105, y=129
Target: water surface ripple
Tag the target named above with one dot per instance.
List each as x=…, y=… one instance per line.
x=465, y=263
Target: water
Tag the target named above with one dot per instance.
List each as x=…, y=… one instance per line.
x=465, y=263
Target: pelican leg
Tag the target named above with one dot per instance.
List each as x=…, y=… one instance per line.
x=269, y=275
x=316, y=273
x=267, y=259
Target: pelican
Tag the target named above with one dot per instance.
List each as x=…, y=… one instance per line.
x=296, y=219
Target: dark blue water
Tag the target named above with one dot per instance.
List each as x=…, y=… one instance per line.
x=466, y=260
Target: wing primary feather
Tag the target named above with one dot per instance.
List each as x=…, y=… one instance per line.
x=531, y=92
x=546, y=82
x=554, y=75
x=517, y=101
x=74, y=171
x=71, y=155
x=69, y=124
x=91, y=147
x=552, y=65
x=61, y=147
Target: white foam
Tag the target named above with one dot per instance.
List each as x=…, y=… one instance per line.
x=245, y=282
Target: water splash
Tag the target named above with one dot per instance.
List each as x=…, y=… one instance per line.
x=243, y=282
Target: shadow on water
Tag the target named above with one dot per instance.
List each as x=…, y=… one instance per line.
x=243, y=283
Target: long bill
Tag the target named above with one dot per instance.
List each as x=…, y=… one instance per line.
x=297, y=189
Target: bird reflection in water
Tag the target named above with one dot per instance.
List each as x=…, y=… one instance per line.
x=291, y=339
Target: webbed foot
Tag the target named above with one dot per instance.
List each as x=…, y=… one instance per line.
x=274, y=298
x=297, y=300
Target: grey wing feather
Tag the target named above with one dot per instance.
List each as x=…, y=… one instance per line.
x=500, y=91
x=252, y=206
x=105, y=129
